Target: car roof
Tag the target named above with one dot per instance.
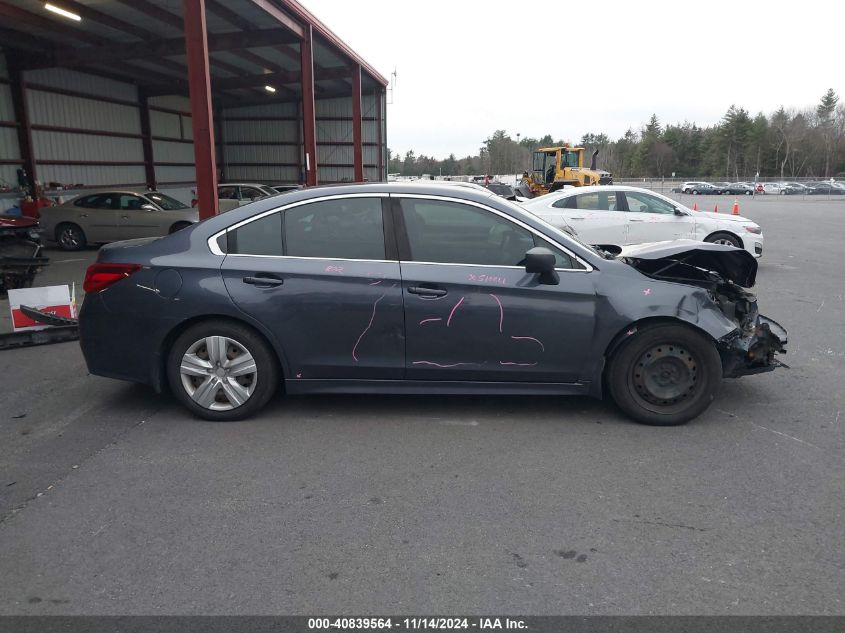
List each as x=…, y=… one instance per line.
x=243, y=184
x=565, y=193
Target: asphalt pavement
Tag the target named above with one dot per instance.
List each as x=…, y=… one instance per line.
x=113, y=500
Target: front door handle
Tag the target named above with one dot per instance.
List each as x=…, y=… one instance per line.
x=263, y=281
x=427, y=292
x=635, y=220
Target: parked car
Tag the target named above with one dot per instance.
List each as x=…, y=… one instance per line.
x=415, y=288
x=687, y=187
x=739, y=189
x=721, y=186
x=775, y=188
x=795, y=188
x=233, y=195
x=825, y=189
x=704, y=189
x=21, y=257
x=505, y=191
x=110, y=215
x=285, y=188
x=620, y=215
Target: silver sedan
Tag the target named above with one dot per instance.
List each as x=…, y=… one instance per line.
x=108, y=216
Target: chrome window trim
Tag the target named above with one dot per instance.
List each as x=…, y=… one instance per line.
x=587, y=267
x=215, y=249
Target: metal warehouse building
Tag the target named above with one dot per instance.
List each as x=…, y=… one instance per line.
x=181, y=93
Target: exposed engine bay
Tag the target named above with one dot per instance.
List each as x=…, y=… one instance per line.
x=725, y=272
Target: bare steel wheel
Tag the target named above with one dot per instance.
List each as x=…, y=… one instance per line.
x=222, y=370
x=218, y=373
x=664, y=374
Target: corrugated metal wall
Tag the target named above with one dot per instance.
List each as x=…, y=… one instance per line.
x=9, y=149
x=172, y=133
x=85, y=129
x=261, y=144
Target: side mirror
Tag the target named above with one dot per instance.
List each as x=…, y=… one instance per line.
x=148, y=207
x=541, y=260
x=679, y=212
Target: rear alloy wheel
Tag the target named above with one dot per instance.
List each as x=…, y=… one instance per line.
x=70, y=237
x=222, y=371
x=664, y=375
x=724, y=238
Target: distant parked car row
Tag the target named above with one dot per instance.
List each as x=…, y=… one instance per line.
x=696, y=188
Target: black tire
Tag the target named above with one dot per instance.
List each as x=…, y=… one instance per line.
x=70, y=237
x=724, y=238
x=748, y=193
x=695, y=192
x=178, y=226
x=687, y=373
x=266, y=376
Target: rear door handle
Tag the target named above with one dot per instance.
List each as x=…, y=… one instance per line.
x=263, y=281
x=427, y=292
x=635, y=220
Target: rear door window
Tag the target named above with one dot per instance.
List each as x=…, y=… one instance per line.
x=346, y=228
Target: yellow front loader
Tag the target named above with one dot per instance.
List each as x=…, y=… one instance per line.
x=555, y=167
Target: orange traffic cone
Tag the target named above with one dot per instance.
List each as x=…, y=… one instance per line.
x=716, y=209
x=695, y=206
x=735, y=209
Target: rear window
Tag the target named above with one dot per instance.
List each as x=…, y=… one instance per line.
x=348, y=228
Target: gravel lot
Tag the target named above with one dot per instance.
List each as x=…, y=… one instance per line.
x=114, y=501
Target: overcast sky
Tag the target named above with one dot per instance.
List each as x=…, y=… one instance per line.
x=468, y=67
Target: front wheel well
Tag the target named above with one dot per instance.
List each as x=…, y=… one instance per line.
x=730, y=233
x=619, y=340
x=160, y=379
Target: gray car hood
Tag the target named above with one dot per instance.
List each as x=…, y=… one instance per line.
x=730, y=263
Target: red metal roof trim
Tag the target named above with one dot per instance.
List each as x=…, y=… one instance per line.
x=304, y=14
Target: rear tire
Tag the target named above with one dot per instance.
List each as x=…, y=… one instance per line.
x=70, y=237
x=664, y=375
x=222, y=370
x=724, y=238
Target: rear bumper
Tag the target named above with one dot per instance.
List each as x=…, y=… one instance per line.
x=754, y=352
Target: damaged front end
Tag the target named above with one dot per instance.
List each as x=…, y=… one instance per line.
x=724, y=272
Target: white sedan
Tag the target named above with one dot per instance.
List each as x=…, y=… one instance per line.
x=629, y=215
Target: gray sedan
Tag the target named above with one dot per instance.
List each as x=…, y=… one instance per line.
x=389, y=288
x=109, y=216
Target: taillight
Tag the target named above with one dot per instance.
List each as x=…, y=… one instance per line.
x=194, y=202
x=100, y=276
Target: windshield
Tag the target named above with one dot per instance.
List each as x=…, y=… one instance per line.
x=268, y=190
x=165, y=202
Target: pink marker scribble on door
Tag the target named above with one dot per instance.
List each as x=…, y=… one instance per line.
x=428, y=362
x=509, y=362
x=430, y=320
x=376, y=283
x=501, y=312
x=369, y=325
x=452, y=313
x=530, y=338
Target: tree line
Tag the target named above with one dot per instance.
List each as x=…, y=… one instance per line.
x=788, y=143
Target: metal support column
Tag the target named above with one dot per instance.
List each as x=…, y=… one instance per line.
x=357, y=125
x=377, y=97
x=199, y=86
x=309, y=122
